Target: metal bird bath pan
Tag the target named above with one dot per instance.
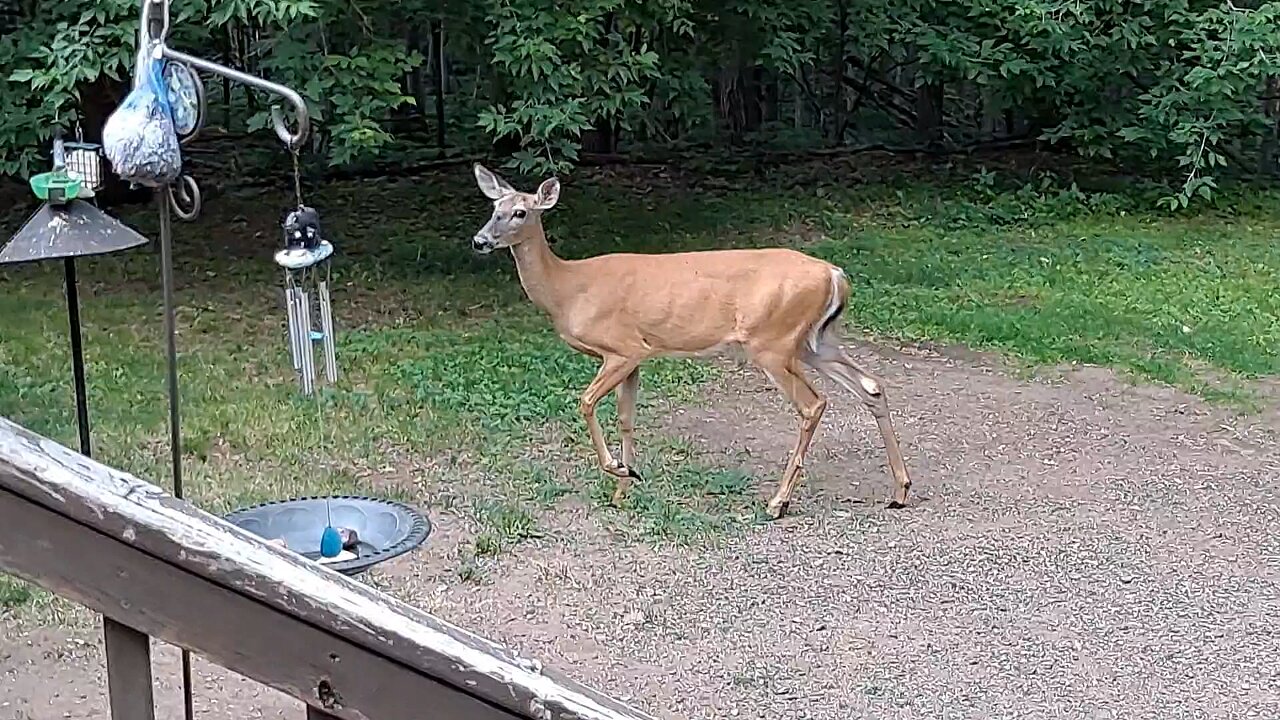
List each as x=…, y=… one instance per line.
x=385, y=528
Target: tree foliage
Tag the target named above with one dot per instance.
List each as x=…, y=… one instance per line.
x=1188, y=86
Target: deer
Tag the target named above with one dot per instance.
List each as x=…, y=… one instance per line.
x=779, y=305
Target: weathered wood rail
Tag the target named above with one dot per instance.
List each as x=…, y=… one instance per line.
x=155, y=566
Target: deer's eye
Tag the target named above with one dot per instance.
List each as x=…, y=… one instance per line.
x=518, y=214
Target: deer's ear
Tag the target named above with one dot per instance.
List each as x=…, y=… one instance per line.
x=548, y=194
x=490, y=184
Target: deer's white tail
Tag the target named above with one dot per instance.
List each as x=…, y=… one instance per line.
x=825, y=355
x=825, y=334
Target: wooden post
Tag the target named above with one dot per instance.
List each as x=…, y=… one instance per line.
x=128, y=672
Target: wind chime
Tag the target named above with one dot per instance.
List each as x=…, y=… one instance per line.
x=305, y=260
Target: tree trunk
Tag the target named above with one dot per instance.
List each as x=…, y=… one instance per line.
x=503, y=145
x=842, y=27
x=929, y=113
x=601, y=138
x=437, y=46
x=752, y=98
x=990, y=114
x=1271, y=109
x=603, y=135
x=798, y=100
x=417, y=89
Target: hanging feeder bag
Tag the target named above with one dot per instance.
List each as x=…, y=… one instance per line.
x=139, y=138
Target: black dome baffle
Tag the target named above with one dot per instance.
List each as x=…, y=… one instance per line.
x=76, y=229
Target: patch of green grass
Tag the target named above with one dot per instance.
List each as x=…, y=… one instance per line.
x=14, y=593
x=680, y=499
x=1163, y=303
x=539, y=484
x=505, y=524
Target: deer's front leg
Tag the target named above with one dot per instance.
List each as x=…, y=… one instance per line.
x=612, y=372
x=627, y=424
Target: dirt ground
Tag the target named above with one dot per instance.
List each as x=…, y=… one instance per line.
x=1082, y=548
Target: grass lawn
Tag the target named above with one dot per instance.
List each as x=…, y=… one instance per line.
x=456, y=393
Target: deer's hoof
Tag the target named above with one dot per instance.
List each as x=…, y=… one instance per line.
x=777, y=509
x=619, y=470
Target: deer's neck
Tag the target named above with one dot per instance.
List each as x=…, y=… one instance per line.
x=541, y=272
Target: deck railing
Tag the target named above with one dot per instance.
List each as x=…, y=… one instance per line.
x=155, y=566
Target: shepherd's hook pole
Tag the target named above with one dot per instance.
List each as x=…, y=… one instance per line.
x=175, y=427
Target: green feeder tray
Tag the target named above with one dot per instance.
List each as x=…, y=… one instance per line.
x=60, y=185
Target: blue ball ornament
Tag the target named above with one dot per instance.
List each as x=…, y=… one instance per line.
x=330, y=543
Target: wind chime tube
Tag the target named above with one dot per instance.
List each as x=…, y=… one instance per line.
x=291, y=312
x=326, y=326
x=308, y=356
x=295, y=333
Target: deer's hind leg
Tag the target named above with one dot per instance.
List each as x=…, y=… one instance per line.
x=837, y=365
x=788, y=374
x=627, y=392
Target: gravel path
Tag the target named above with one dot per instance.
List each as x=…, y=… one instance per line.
x=1086, y=549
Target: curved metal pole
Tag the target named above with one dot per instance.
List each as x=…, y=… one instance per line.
x=292, y=139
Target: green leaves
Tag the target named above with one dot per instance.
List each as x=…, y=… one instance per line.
x=1187, y=88
x=51, y=60
x=350, y=67
x=565, y=69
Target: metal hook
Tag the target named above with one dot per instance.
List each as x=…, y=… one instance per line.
x=153, y=32
x=186, y=191
x=292, y=139
x=153, y=29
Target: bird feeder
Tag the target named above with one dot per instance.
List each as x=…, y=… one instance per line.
x=67, y=227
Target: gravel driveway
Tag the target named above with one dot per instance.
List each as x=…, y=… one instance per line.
x=1084, y=549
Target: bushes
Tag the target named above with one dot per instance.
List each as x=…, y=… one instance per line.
x=1184, y=87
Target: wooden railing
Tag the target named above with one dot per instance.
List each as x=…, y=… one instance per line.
x=155, y=566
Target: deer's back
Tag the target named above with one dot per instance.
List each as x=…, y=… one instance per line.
x=693, y=302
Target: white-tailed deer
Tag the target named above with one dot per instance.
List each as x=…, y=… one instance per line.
x=781, y=306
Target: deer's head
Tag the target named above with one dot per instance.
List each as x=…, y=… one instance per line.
x=516, y=215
